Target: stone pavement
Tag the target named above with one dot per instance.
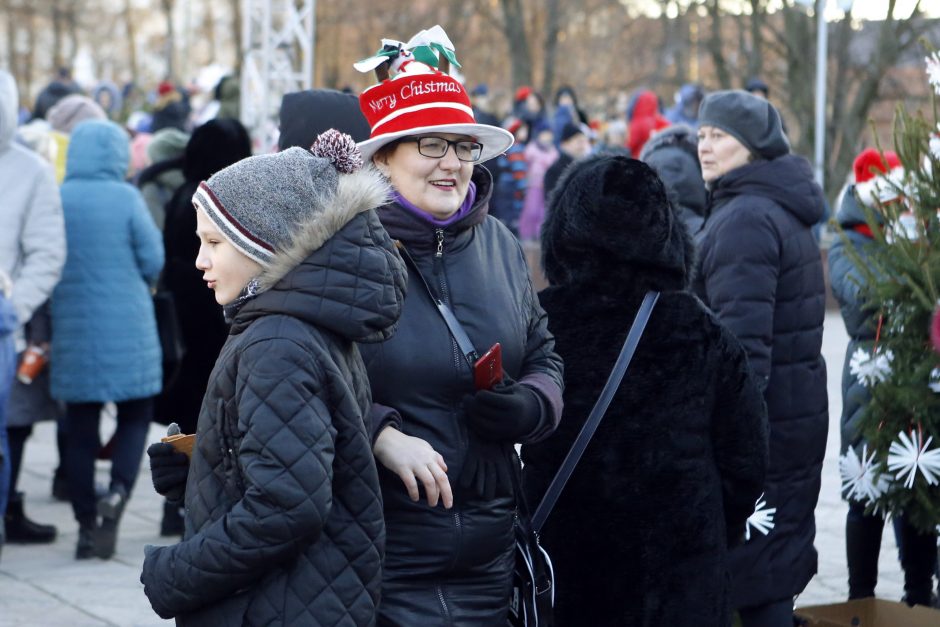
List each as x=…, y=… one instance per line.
x=45, y=586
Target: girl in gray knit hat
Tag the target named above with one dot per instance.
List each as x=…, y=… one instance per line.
x=283, y=510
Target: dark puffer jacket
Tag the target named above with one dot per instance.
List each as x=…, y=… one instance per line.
x=846, y=281
x=452, y=567
x=761, y=273
x=639, y=535
x=283, y=509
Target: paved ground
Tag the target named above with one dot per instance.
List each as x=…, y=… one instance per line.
x=45, y=586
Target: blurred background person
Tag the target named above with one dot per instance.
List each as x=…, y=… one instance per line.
x=105, y=346
x=573, y=145
x=540, y=154
x=673, y=154
x=870, y=191
x=32, y=253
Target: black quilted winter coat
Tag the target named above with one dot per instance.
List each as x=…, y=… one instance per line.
x=761, y=273
x=452, y=567
x=283, y=509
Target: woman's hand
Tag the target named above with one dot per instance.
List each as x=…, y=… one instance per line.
x=413, y=459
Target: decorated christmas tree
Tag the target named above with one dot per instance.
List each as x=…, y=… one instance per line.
x=898, y=470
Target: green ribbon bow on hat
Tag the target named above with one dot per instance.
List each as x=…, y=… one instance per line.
x=425, y=47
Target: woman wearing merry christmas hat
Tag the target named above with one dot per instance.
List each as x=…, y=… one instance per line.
x=449, y=551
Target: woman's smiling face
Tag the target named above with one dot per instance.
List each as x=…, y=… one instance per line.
x=436, y=186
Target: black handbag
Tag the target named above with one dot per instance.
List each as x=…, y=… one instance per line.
x=533, y=589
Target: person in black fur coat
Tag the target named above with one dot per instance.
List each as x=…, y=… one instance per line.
x=641, y=532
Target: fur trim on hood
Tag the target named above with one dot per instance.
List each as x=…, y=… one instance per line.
x=355, y=193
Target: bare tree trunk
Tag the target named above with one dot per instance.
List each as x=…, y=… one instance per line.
x=515, y=33
x=552, y=31
x=131, y=29
x=56, y=34
x=29, y=18
x=714, y=44
x=755, y=57
x=167, y=6
x=6, y=6
x=70, y=14
x=236, y=7
x=209, y=29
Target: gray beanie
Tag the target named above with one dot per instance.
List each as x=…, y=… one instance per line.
x=73, y=110
x=258, y=202
x=751, y=120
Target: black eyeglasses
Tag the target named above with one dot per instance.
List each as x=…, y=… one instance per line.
x=436, y=147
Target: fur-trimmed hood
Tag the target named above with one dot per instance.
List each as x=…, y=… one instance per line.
x=611, y=226
x=341, y=271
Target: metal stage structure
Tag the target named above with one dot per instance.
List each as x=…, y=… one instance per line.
x=278, y=44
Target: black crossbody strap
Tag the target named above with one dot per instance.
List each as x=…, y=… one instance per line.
x=600, y=408
x=463, y=341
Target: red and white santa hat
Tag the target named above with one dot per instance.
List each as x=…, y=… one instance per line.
x=879, y=177
x=419, y=100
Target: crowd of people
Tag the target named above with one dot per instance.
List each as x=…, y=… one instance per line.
x=331, y=298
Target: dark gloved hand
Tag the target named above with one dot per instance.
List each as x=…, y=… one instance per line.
x=505, y=413
x=168, y=469
x=486, y=469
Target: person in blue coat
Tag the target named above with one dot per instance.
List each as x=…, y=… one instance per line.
x=105, y=347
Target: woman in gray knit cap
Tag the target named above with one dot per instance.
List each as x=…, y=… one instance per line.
x=283, y=508
x=761, y=273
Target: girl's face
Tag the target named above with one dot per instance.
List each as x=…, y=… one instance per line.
x=224, y=268
x=719, y=153
x=437, y=186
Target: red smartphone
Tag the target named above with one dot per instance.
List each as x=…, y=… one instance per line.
x=488, y=370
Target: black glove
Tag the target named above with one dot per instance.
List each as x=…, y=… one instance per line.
x=486, y=469
x=505, y=413
x=168, y=469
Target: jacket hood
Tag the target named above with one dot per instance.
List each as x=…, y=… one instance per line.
x=612, y=227
x=787, y=181
x=214, y=146
x=308, y=113
x=9, y=99
x=341, y=271
x=681, y=173
x=647, y=105
x=98, y=150
x=850, y=212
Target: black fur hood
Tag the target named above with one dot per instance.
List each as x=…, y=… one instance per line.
x=610, y=225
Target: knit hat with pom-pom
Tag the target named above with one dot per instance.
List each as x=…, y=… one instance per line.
x=259, y=202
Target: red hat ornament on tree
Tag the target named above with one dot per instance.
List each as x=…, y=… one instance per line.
x=416, y=95
x=878, y=177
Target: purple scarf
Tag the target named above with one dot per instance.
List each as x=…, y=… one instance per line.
x=463, y=210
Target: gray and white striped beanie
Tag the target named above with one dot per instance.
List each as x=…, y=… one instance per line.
x=258, y=202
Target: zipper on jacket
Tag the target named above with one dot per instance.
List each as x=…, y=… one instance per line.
x=444, y=609
x=439, y=234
